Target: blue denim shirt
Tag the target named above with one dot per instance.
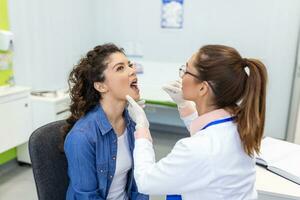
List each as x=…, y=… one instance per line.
x=91, y=150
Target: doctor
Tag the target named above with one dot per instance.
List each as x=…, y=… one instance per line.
x=222, y=103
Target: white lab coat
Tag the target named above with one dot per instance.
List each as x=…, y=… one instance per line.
x=209, y=165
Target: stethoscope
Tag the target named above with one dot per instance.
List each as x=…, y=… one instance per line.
x=220, y=121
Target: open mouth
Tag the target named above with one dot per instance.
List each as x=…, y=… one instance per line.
x=134, y=85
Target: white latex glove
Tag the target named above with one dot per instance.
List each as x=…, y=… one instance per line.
x=175, y=92
x=137, y=113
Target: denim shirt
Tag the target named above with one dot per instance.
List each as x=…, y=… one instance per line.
x=91, y=150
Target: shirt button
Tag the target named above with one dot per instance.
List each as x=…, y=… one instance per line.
x=114, y=158
x=101, y=171
x=110, y=176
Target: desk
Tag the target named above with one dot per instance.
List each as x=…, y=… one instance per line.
x=270, y=186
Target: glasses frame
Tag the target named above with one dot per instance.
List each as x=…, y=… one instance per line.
x=183, y=71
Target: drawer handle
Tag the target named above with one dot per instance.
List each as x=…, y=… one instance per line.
x=66, y=110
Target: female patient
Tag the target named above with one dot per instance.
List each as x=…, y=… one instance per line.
x=99, y=136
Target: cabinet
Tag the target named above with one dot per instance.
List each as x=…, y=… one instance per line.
x=15, y=117
x=44, y=111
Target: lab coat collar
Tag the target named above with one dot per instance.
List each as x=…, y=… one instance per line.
x=206, y=118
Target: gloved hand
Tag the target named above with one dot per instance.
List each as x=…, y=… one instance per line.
x=175, y=92
x=137, y=113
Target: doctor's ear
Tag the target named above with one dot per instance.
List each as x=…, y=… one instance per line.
x=203, y=88
x=100, y=87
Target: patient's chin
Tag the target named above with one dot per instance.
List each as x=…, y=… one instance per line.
x=135, y=96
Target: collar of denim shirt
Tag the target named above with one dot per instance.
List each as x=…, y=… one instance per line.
x=103, y=122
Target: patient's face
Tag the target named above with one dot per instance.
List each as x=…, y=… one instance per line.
x=120, y=77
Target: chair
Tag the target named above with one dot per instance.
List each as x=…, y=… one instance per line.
x=49, y=165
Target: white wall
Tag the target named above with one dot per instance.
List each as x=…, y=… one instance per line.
x=50, y=36
x=262, y=29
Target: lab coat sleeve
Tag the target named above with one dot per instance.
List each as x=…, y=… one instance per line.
x=189, y=109
x=181, y=171
x=188, y=120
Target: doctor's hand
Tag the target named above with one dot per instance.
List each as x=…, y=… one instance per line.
x=175, y=92
x=137, y=113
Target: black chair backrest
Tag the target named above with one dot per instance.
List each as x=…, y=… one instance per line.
x=49, y=164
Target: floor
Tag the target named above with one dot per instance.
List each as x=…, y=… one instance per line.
x=16, y=181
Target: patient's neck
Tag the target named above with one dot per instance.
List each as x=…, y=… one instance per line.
x=113, y=109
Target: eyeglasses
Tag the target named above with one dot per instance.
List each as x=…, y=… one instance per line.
x=183, y=71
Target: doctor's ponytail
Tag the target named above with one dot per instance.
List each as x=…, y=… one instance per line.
x=251, y=111
x=239, y=86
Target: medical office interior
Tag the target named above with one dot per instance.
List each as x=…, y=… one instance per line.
x=42, y=40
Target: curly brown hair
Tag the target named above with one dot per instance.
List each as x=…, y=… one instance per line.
x=81, y=83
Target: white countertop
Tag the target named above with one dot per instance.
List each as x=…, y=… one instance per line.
x=8, y=90
x=61, y=96
x=272, y=184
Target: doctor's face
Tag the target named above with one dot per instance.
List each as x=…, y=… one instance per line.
x=190, y=83
x=120, y=78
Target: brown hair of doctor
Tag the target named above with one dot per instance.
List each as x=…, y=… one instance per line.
x=239, y=85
